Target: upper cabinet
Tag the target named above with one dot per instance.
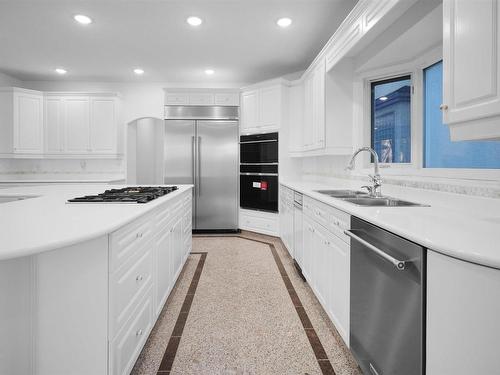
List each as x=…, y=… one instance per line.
x=202, y=97
x=471, y=75
x=262, y=107
x=314, y=108
x=81, y=124
x=36, y=124
x=21, y=121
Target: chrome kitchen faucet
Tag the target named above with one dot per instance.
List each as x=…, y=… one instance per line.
x=376, y=189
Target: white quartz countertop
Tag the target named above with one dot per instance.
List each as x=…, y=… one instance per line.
x=47, y=222
x=460, y=226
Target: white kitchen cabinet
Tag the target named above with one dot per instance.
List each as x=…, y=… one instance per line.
x=463, y=306
x=249, y=110
x=313, y=132
x=54, y=125
x=471, y=69
x=76, y=125
x=201, y=97
x=259, y=221
x=286, y=218
x=81, y=124
x=103, y=132
x=262, y=107
x=21, y=121
x=326, y=260
x=296, y=117
x=164, y=267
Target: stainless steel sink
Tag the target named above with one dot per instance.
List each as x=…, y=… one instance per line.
x=382, y=202
x=343, y=193
x=13, y=198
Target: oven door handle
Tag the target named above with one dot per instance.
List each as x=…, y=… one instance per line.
x=258, y=174
x=399, y=264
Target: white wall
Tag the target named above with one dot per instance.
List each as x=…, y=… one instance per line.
x=6, y=80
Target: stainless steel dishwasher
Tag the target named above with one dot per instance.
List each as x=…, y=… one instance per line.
x=387, y=306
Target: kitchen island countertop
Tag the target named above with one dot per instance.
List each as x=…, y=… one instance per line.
x=48, y=222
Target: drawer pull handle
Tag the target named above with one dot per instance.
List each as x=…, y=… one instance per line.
x=139, y=333
x=139, y=235
x=139, y=278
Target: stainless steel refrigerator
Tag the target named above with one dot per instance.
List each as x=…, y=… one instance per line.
x=201, y=148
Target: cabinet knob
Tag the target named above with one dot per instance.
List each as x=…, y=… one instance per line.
x=139, y=333
x=139, y=278
x=443, y=107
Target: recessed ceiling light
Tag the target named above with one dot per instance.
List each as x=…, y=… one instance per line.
x=209, y=72
x=194, y=21
x=138, y=71
x=60, y=71
x=383, y=98
x=284, y=22
x=83, y=19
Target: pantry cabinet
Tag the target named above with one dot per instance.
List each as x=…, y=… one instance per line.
x=471, y=69
x=262, y=107
x=21, y=121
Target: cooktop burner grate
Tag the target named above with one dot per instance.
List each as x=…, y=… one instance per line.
x=135, y=194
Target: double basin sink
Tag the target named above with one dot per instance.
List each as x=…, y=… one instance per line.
x=361, y=198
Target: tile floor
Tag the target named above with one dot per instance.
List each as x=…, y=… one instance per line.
x=243, y=319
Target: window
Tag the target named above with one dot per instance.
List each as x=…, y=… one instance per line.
x=391, y=119
x=439, y=151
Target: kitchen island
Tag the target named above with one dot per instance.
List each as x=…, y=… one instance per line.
x=81, y=285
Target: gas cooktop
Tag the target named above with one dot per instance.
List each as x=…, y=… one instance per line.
x=135, y=194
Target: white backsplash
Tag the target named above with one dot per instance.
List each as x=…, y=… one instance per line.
x=321, y=168
x=23, y=169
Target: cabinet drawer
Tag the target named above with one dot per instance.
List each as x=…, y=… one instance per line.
x=201, y=99
x=330, y=217
x=127, y=287
x=127, y=346
x=268, y=225
x=227, y=99
x=127, y=240
x=177, y=98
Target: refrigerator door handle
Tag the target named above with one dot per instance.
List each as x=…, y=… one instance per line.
x=193, y=159
x=199, y=165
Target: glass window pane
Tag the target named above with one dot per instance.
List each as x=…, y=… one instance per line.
x=391, y=120
x=439, y=151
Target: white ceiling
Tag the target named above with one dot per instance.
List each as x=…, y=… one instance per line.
x=239, y=39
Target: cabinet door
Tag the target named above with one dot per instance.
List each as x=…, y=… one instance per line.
x=307, y=248
x=76, y=124
x=270, y=107
x=471, y=59
x=319, y=106
x=308, y=124
x=249, y=109
x=103, y=135
x=338, y=260
x=164, y=267
x=296, y=113
x=321, y=269
x=28, y=123
x=54, y=116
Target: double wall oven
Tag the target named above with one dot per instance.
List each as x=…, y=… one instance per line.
x=259, y=172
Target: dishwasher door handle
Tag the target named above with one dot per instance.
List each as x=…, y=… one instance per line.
x=399, y=264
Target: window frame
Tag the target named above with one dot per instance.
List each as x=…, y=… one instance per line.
x=414, y=68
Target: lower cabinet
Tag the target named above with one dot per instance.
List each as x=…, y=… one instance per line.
x=325, y=261
x=286, y=218
x=141, y=284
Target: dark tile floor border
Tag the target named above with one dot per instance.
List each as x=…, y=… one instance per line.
x=318, y=349
x=173, y=344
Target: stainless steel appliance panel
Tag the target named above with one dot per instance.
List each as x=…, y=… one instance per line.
x=386, y=301
x=179, y=156
x=191, y=112
x=217, y=175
